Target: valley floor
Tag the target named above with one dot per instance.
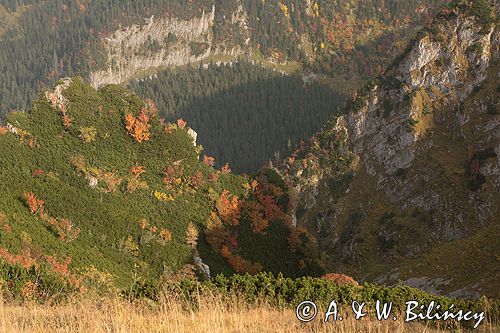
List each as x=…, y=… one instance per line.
x=213, y=315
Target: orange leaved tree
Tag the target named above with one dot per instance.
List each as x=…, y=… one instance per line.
x=181, y=123
x=138, y=127
x=136, y=170
x=35, y=205
x=226, y=168
x=209, y=161
x=228, y=207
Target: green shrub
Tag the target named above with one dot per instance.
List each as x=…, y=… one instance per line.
x=412, y=122
x=33, y=284
x=492, y=110
x=286, y=292
x=338, y=187
x=436, y=33
x=88, y=134
x=197, y=49
x=476, y=47
x=483, y=11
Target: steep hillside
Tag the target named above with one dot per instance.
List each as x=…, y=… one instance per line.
x=405, y=185
x=343, y=37
x=95, y=180
x=56, y=38
x=340, y=44
x=110, y=41
x=244, y=114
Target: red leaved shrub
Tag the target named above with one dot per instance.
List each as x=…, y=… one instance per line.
x=228, y=208
x=35, y=205
x=339, y=279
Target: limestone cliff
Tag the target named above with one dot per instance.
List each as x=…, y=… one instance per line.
x=414, y=163
x=138, y=50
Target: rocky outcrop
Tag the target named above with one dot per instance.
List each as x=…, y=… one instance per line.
x=393, y=131
x=56, y=97
x=202, y=268
x=193, y=135
x=11, y=129
x=420, y=163
x=139, y=50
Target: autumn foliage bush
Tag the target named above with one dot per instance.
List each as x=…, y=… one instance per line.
x=258, y=222
x=221, y=235
x=229, y=208
x=265, y=207
x=260, y=209
x=226, y=168
x=239, y=264
x=173, y=177
x=192, y=235
x=165, y=234
x=23, y=259
x=111, y=179
x=88, y=134
x=181, y=123
x=35, y=205
x=29, y=274
x=134, y=181
x=213, y=177
x=143, y=223
x=137, y=170
x=295, y=238
x=340, y=279
x=169, y=128
x=197, y=180
x=209, y=161
x=139, y=127
x=38, y=172
x=63, y=227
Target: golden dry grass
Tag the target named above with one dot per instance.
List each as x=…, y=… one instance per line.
x=212, y=316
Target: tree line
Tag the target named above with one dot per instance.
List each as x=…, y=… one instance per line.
x=52, y=39
x=244, y=114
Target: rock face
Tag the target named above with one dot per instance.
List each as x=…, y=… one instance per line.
x=56, y=97
x=434, y=77
x=203, y=268
x=137, y=51
x=415, y=159
x=193, y=134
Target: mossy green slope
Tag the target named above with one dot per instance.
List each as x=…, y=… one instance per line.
x=88, y=183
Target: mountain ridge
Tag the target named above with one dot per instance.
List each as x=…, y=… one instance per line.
x=406, y=178
x=69, y=38
x=96, y=180
x=419, y=158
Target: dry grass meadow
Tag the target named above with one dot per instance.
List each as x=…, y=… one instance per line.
x=213, y=315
